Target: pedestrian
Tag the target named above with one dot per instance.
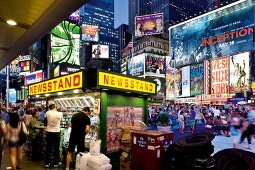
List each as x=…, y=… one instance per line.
x=191, y=121
x=181, y=122
x=53, y=118
x=80, y=125
x=4, y=115
x=235, y=130
x=246, y=132
x=3, y=130
x=34, y=134
x=14, y=128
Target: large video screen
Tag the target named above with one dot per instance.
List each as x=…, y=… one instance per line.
x=136, y=65
x=155, y=65
x=100, y=51
x=65, y=43
x=149, y=24
x=222, y=33
x=239, y=72
x=75, y=16
x=90, y=33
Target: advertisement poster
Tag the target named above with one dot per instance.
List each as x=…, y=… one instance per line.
x=24, y=66
x=161, y=88
x=173, y=78
x=119, y=117
x=185, y=81
x=33, y=77
x=154, y=65
x=136, y=65
x=219, y=34
x=90, y=33
x=220, y=76
x=100, y=51
x=239, y=72
x=65, y=43
x=196, y=79
x=149, y=24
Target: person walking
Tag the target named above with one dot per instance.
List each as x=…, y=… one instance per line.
x=14, y=128
x=80, y=125
x=54, y=119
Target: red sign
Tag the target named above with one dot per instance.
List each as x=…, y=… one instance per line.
x=220, y=75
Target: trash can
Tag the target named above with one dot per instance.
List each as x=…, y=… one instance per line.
x=149, y=149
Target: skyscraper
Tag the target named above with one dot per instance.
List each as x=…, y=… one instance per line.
x=173, y=10
x=101, y=14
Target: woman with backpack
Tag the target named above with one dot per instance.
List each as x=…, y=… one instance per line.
x=16, y=131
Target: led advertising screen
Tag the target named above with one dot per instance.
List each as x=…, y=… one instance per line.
x=173, y=78
x=90, y=33
x=149, y=24
x=12, y=96
x=65, y=43
x=239, y=72
x=154, y=65
x=136, y=65
x=185, y=81
x=219, y=75
x=196, y=79
x=222, y=33
x=75, y=16
x=161, y=88
x=100, y=51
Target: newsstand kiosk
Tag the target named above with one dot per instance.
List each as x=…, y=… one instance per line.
x=116, y=102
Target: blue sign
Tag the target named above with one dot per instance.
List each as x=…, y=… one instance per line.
x=12, y=96
x=196, y=79
x=224, y=32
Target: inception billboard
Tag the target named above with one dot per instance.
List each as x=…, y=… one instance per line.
x=221, y=33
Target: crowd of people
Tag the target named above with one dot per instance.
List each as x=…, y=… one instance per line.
x=236, y=121
x=22, y=124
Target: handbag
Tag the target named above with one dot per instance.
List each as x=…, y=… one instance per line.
x=22, y=134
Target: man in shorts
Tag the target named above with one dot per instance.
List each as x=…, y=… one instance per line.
x=80, y=125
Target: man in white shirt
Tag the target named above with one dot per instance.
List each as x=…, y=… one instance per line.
x=52, y=135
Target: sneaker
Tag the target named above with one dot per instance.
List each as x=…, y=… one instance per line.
x=57, y=165
x=47, y=165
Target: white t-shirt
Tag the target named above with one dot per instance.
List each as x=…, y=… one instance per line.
x=53, y=120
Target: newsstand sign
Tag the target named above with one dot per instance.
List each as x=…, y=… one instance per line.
x=63, y=83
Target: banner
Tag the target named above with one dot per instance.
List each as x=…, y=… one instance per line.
x=220, y=75
x=136, y=65
x=219, y=34
x=65, y=43
x=149, y=24
x=12, y=96
x=90, y=33
x=196, y=79
x=239, y=72
x=100, y=51
x=154, y=65
x=185, y=81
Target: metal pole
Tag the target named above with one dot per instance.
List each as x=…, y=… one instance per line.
x=132, y=55
x=171, y=54
x=7, y=85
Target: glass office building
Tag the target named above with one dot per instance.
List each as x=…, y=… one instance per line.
x=101, y=13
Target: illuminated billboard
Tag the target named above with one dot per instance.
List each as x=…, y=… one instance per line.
x=173, y=78
x=224, y=32
x=65, y=43
x=136, y=65
x=100, y=51
x=155, y=65
x=239, y=72
x=149, y=24
x=90, y=33
x=220, y=75
x=185, y=81
x=196, y=79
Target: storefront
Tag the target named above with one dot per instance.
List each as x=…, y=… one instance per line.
x=115, y=100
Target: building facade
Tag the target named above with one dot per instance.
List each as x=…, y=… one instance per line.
x=101, y=13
